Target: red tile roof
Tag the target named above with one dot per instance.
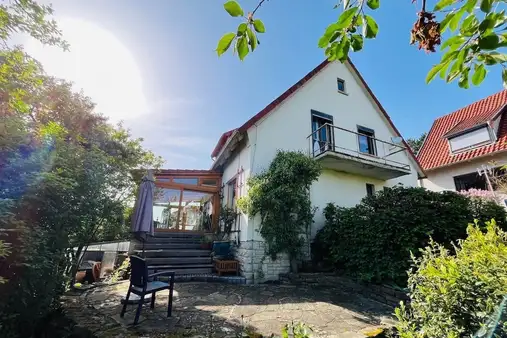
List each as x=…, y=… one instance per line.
x=435, y=152
x=294, y=88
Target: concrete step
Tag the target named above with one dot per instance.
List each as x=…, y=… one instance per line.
x=173, y=240
x=158, y=253
x=172, y=267
x=167, y=246
x=161, y=234
x=178, y=260
x=189, y=271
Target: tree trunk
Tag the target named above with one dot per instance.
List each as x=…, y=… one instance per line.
x=75, y=264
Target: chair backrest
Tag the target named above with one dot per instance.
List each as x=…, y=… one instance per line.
x=139, y=271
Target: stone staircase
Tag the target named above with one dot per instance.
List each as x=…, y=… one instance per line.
x=178, y=252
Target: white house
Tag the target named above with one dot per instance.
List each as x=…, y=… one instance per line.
x=333, y=116
x=463, y=142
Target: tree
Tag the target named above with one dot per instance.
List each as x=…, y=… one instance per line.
x=416, y=143
x=477, y=33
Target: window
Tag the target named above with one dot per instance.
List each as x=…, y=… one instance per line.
x=470, y=181
x=470, y=139
x=341, y=85
x=366, y=139
x=370, y=189
x=322, y=129
x=231, y=194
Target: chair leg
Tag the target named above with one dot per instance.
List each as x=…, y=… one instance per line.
x=125, y=304
x=139, y=307
x=153, y=300
x=170, y=302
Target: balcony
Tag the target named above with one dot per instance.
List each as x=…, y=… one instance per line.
x=358, y=153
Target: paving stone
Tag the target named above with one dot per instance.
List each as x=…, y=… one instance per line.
x=197, y=307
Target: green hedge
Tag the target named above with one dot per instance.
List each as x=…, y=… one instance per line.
x=373, y=240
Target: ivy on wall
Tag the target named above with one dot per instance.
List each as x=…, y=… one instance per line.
x=280, y=195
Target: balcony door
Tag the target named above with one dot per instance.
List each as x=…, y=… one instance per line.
x=322, y=132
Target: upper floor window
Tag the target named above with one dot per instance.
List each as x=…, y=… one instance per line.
x=341, y=85
x=470, y=139
x=322, y=132
x=366, y=139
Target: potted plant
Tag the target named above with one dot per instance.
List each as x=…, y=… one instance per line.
x=221, y=241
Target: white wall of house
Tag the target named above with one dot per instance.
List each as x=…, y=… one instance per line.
x=443, y=178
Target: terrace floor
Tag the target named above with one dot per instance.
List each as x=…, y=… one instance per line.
x=224, y=310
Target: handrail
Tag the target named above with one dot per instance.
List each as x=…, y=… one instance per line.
x=354, y=132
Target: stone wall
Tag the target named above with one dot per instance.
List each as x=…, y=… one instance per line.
x=255, y=266
x=382, y=293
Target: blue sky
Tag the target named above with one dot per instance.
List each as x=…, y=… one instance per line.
x=194, y=96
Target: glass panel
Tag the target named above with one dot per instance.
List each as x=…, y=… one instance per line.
x=196, y=211
x=364, y=144
x=163, y=180
x=341, y=85
x=189, y=180
x=210, y=182
x=165, y=208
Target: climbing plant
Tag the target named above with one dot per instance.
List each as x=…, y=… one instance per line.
x=280, y=195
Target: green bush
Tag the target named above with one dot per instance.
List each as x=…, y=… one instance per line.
x=456, y=293
x=374, y=239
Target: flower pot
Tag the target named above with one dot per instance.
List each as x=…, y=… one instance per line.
x=221, y=248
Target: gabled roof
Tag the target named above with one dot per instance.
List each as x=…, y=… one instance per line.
x=275, y=103
x=435, y=151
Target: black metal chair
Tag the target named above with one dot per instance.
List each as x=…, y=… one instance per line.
x=141, y=285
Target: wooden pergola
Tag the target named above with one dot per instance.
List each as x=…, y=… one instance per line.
x=187, y=200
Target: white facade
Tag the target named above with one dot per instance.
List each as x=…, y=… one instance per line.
x=442, y=179
x=287, y=127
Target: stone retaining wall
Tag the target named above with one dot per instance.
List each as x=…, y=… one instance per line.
x=382, y=293
x=252, y=260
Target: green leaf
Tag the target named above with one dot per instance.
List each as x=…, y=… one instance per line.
x=470, y=5
x=259, y=26
x=442, y=4
x=504, y=78
x=357, y=42
x=346, y=18
x=479, y=74
x=342, y=51
x=224, y=43
x=501, y=58
x=454, y=23
x=454, y=72
x=486, y=5
x=252, y=39
x=373, y=4
x=241, y=29
x=456, y=40
x=443, y=71
x=446, y=21
x=433, y=72
x=469, y=25
x=233, y=8
x=242, y=48
x=463, y=80
x=370, y=27
x=489, y=42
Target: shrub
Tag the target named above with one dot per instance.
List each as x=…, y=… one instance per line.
x=374, y=239
x=280, y=195
x=455, y=295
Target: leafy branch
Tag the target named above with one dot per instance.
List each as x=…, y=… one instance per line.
x=477, y=30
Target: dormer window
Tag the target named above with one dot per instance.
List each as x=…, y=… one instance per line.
x=471, y=138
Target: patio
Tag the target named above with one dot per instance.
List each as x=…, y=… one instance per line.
x=224, y=310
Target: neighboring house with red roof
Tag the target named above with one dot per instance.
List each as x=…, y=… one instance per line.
x=460, y=143
x=332, y=115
